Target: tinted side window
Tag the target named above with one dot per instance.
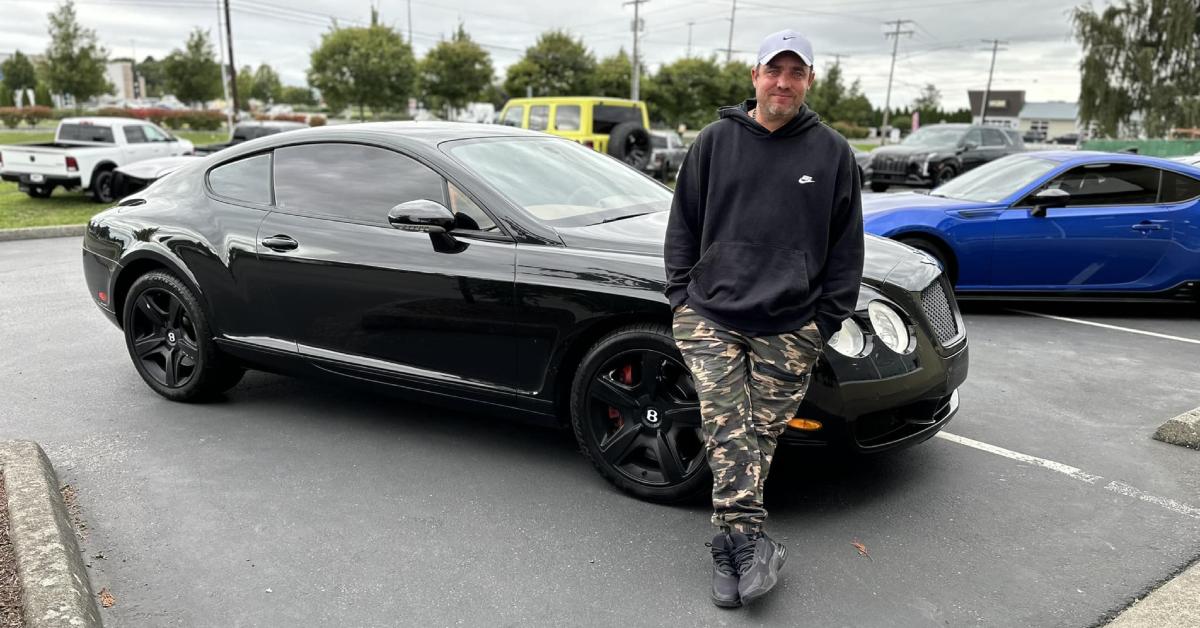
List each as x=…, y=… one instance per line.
x=974, y=137
x=605, y=117
x=86, y=133
x=566, y=117
x=351, y=181
x=1109, y=184
x=134, y=134
x=513, y=116
x=154, y=135
x=1178, y=187
x=993, y=137
x=539, y=117
x=247, y=180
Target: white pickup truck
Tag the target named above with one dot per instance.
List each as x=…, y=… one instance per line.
x=84, y=154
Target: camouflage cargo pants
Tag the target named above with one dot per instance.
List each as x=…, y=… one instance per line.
x=748, y=388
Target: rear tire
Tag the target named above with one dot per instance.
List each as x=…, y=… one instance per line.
x=630, y=142
x=633, y=406
x=102, y=186
x=879, y=187
x=170, y=342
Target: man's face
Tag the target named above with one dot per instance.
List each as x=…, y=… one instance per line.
x=781, y=84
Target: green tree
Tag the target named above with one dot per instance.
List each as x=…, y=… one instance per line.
x=1139, y=56
x=930, y=99
x=193, y=74
x=245, y=85
x=689, y=91
x=827, y=93
x=366, y=67
x=293, y=95
x=19, y=74
x=736, y=83
x=557, y=65
x=455, y=72
x=614, y=77
x=74, y=63
x=152, y=72
x=266, y=87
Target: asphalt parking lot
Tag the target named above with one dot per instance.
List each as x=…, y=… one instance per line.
x=1046, y=503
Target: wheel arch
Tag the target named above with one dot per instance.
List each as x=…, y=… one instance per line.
x=102, y=166
x=140, y=262
x=939, y=243
x=569, y=359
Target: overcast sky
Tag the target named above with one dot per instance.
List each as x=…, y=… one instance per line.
x=945, y=47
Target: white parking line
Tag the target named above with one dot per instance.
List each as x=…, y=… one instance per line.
x=1106, y=326
x=1116, y=487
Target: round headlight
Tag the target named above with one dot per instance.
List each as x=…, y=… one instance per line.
x=889, y=327
x=849, y=340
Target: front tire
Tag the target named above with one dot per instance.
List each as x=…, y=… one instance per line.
x=636, y=418
x=943, y=258
x=170, y=342
x=879, y=187
x=944, y=174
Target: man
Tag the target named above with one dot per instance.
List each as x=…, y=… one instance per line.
x=764, y=255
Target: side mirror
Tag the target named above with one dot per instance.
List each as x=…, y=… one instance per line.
x=421, y=215
x=970, y=146
x=1048, y=198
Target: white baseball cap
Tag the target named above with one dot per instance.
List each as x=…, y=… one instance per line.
x=785, y=41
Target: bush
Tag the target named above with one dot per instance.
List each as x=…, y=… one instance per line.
x=174, y=120
x=850, y=131
x=316, y=120
x=11, y=116
x=205, y=120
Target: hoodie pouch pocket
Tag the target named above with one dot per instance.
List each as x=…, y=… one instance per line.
x=752, y=278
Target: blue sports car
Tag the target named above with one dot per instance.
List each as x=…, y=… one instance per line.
x=1069, y=224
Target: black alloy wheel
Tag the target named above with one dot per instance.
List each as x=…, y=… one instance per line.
x=944, y=174
x=637, y=418
x=168, y=338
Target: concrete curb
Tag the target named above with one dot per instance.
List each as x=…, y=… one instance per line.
x=54, y=582
x=31, y=233
x=1175, y=604
x=1183, y=430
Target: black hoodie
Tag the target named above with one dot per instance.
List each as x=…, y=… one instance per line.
x=766, y=230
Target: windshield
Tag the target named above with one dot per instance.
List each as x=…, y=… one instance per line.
x=934, y=136
x=997, y=180
x=560, y=182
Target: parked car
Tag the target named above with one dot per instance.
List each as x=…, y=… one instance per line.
x=935, y=154
x=1059, y=224
x=666, y=154
x=131, y=178
x=615, y=126
x=84, y=154
x=863, y=159
x=482, y=265
x=246, y=131
x=1070, y=139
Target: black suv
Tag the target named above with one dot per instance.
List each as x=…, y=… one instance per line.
x=937, y=153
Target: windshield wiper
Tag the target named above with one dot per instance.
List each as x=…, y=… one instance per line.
x=607, y=220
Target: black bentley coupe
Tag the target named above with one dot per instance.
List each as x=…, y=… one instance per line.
x=487, y=265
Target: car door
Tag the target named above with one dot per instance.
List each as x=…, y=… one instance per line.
x=972, y=150
x=357, y=292
x=137, y=145
x=995, y=144
x=163, y=144
x=1112, y=232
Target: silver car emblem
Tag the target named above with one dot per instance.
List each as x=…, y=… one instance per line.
x=651, y=415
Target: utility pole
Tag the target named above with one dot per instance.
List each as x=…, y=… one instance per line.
x=689, y=52
x=410, y=40
x=837, y=57
x=887, y=106
x=987, y=93
x=224, y=74
x=729, y=47
x=232, y=65
x=637, y=27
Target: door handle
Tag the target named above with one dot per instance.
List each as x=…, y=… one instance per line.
x=280, y=243
x=1147, y=226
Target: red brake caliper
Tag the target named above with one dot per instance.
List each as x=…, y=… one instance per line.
x=627, y=379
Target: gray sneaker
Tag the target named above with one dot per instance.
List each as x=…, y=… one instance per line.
x=758, y=564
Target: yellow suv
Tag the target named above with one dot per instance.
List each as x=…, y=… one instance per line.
x=616, y=126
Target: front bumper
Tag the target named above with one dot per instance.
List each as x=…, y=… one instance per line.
x=885, y=400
